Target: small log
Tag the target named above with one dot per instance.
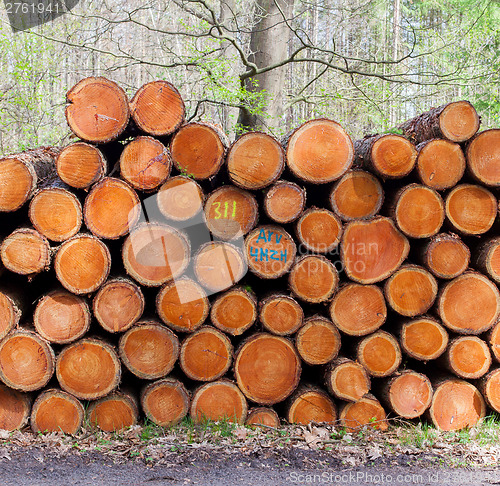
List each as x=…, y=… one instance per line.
x=467, y=357
x=82, y=264
x=489, y=386
x=56, y=213
x=198, y=150
x=440, y=164
x=255, y=160
x=411, y=290
x=111, y=209
x=149, y=350
x=61, y=317
x=263, y=416
x=56, y=411
x=155, y=253
x=358, y=310
x=25, y=252
x=270, y=251
x=318, y=341
x=145, y=163
x=347, y=380
x=230, y=212
x=267, y=368
x=469, y=304
x=234, y=311
x=118, y=305
x=157, y=108
x=418, y=211
x=488, y=258
x=88, y=369
x=26, y=361
x=15, y=408
x=372, y=250
x=114, y=413
x=471, y=209
x=482, y=157
x=80, y=165
x=180, y=198
x=379, y=353
x=456, y=121
x=493, y=339
x=20, y=173
x=318, y=230
x=280, y=314
x=165, y=402
x=319, y=151
x=310, y=405
x=357, y=195
x=205, y=355
x=313, y=279
x=389, y=156
x=97, y=110
x=445, y=256
x=408, y=394
x=365, y=411
x=456, y=404
x=423, y=338
x=284, y=202
x=11, y=311
x=182, y=305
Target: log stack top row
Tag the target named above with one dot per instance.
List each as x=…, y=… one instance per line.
x=165, y=248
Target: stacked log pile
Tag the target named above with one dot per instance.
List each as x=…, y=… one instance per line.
x=154, y=268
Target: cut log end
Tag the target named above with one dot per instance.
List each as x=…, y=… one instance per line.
x=165, y=402
x=149, y=350
x=281, y=314
x=347, y=380
x=180, y=198
x=380, y=354
x=357, y=195
x=255, y=160
x=114, y=413
x=319, y=230
x=15, y=408
x=10, y=313
x=267, y=368
x=182, y=305
x=234, y=311
x=284, y=202
x=80, y=165
x=365, y=411
x=446, y=256
x=88, y=369
x=220, y=400
x=423, y=339
x=358, y=310
x=313, y=279
x=488, y=258
x=311, y=405
x=490, y=389
x=263, y=416
x=25, y=252
x=98, y=110
x=206, y=355
x=61, y=317
x=468, y=357
x=157, y=108
x=57, y=411
x=392, y=156
x=459, y=121
x=319, y=151
x=318, y=341
x=482, y=157
x=17, y=183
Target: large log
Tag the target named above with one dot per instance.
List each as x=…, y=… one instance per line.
x=284, y=202
x=149, y=350
x=318, y=341
x=440, y=164
x=234, y=311
x=358, y=310
x=357, y=195
x=61, y=317
x=180, y=198
x=467, y=357
x=111, y=209
x=20, y=173
x=114, y=413
x=267, y=368
x=255, y=160
x=15, y=408
x=57, y=411
x=310, y=404
x=347, y=379
x=482, y=157
x=372, y=250
x=97, y=110
x=318, y=231
x=319, y=151
x=456, y=121
x=205, y=355
x=389, y=156
x=157, y=108
x=445, y=256
x=280, y=314
x=379, y=353
x=82, y=264
x=423, y=338
x=88, y=369
x=365, y=411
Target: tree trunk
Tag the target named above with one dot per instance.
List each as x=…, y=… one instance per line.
x=379, y=353
x=310, y=404
x=114, y=413
x=318, y=230
x=318, y=341
x=347, y=380
x=423, y=338
x=284, y=202
x=180, y=198
x=280, y=314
